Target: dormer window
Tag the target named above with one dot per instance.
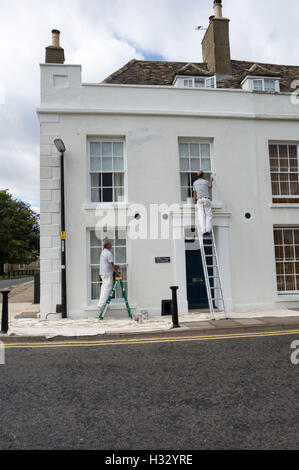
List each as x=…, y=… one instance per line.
x=265, y=84
x=260, y=78
x=195, y=82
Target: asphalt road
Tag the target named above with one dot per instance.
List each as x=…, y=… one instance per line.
x=224, y=394
x=14, y=282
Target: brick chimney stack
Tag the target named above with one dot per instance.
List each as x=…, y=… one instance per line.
x=216, y=45
x=55, y=53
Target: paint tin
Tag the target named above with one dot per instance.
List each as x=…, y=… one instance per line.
x=139, y=318
x=145, y=315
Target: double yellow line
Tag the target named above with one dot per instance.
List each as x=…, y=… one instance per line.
x=118, y=342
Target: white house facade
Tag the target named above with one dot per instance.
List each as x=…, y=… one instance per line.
x=134, y=144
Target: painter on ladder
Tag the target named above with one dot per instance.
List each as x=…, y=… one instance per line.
x=202, y=197
x=107, y=268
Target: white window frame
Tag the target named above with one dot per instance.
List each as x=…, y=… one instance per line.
x=263, y=81
x=286, y=260
x=118, y=300
x=213, y=81
x=202, y=80
x=279, y=171
x=181, y=80
x=197, y=141
x=188, y=83
x=258, y=81
x=113, y=139
x=274, y=85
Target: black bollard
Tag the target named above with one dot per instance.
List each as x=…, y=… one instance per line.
x=4, y=322
x=174, y=307
x=36, y=288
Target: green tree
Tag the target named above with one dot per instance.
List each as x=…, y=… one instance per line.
x=19, y=231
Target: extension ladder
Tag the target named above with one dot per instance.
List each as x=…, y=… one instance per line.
x=116, y=281
x=211, y=270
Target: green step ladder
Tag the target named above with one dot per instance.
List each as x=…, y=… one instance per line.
x=104, y=311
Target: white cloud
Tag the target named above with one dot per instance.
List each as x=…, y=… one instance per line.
x=103, y=35
x=21, y=165
x=99, y=63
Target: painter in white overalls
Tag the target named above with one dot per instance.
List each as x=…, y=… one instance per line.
x=107, y=267
x=202, y=198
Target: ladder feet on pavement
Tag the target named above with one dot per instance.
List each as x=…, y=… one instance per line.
x=104, y=311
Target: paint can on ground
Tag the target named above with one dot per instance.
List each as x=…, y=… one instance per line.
x=138, y=318
x=145, y=315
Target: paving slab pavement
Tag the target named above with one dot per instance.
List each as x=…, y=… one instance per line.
x=153, y=330
x=22, y=293
x=249, y=322
x=21, y=301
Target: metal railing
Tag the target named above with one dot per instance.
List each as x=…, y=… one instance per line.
x=18, y=273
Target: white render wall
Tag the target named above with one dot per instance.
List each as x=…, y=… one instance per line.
x=50, y=223
x=151, y=119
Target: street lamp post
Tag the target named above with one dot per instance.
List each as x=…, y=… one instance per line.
x=61, y=148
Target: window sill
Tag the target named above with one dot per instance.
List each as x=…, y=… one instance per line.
x=288, y=297
x=284, y=205
x=92, y=206
x=215, y=205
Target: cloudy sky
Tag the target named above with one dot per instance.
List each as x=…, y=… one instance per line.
x=103, y=35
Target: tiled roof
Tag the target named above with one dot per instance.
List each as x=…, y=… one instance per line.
x=145, y=72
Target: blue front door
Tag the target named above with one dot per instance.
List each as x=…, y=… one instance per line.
x=196, y=286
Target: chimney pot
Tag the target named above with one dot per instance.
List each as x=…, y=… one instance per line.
x=218, y=8
x=55, y=38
